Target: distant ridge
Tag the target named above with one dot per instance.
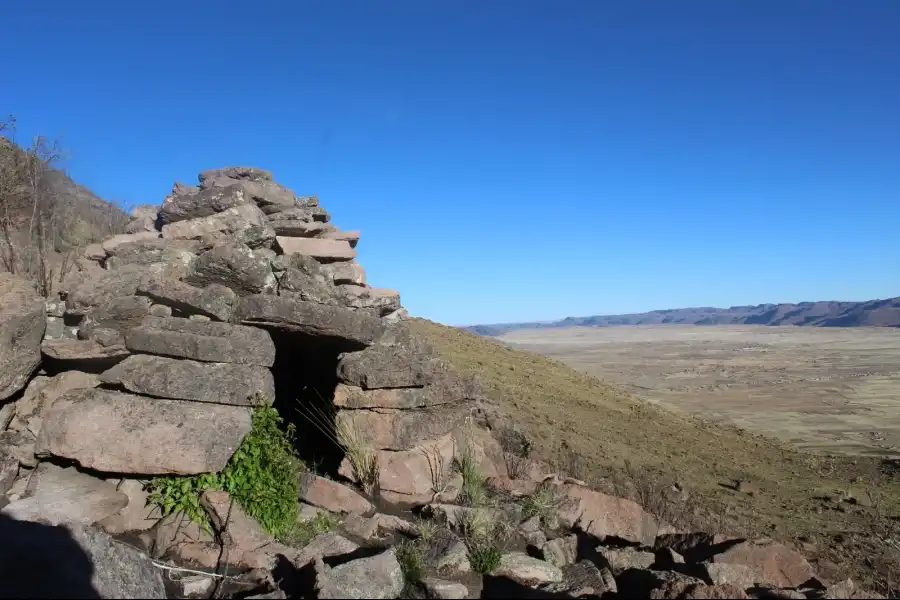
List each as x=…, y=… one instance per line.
x=871, y=313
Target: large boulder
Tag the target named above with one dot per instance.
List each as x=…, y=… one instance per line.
x=22, y=324
x=356, y=329
x=214, y=300
x=378, y=576
x=414, y=476
x=40, y=561
x=245, y=223
x=221, y=383
x=121, y=433
x=269, y=196
x=402, y=429
x=602, y=516
x=203, y=341
x=235, y=266
x=58, y=495
x=775, y=563
x=320, y=249
x=182, y=207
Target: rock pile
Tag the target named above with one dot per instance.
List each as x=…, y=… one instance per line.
x=236, y=292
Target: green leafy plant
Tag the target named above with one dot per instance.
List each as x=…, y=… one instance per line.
x=261, y=476
x=182, y=495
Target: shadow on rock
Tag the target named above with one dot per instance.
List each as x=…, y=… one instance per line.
x=42, y=561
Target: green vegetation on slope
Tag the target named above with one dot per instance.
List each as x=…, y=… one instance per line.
x=598, y=433
x=261, y=476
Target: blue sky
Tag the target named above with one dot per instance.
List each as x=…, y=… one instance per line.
x=507, y=159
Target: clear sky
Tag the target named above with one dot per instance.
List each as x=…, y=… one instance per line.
x=507, y=160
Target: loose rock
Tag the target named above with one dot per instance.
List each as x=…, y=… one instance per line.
x=378, y=576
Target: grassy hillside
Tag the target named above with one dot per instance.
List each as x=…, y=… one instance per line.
x=796, y=496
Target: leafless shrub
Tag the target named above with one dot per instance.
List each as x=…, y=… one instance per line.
x=440, y=478
x=43, y=213
x=516, y=452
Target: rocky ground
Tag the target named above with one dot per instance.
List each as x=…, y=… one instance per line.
x=227, y=351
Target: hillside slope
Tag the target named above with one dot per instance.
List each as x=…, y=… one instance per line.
x=871, y=313
x=80, y=216
x=591, y=429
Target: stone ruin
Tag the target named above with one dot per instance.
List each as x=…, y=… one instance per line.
x=237, y=289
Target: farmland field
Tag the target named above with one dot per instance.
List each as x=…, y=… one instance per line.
x=822, y=389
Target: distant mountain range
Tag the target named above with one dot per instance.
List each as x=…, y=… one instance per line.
x=872, y=313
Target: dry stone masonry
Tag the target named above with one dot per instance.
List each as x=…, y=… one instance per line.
x=238, y=291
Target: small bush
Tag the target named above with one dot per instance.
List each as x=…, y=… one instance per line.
x=303, y=532
x=411, y=557
x=485, y=540
x=543, y=503
x=261, y=476
x=474, y=487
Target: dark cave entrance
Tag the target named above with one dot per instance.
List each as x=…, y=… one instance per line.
x=305, y=372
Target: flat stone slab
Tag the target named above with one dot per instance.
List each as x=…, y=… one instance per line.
x=288, y=314
x=351, y=237
x=214, y=301
x=83, y=355
x=217, y=383
x=206, y=341
x=320, y=249
x=115, y=432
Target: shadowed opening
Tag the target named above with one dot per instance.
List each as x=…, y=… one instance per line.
x=305, y=374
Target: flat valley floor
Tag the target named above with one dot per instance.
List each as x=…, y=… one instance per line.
x=834, y=390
